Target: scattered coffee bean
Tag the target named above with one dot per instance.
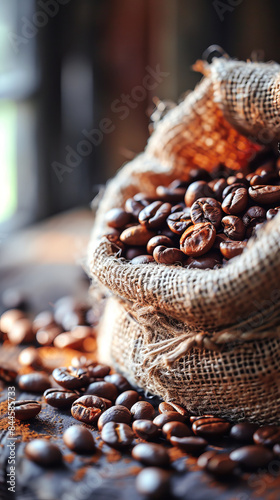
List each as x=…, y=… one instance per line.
x=198, y=239
x=154, y=215
x=60, y=398
x=219, y=464
x=198, y=189
x=119, y=381
x=268, y=435
x=265, y=195
x=233, y=227
x=26, y=409
x=206, y=210
x=142, y=259
x=79, y=439
x=168, y=416
x=252, y=457
x=254, y=215
x=153, y=482
x=71, y=378
x=158, y=241
x=34, y=382
x=103, y=389
x=151, y=454
x=178, y=222
x=118, y=218
x=43, y=453
x=88, y=409
x=243, y=432
x=177, y=429
x=230, y=249
x=117, y=413
x=134, y=207
x=168, y=256
x=96, y=370
x=127, y=399
x=211, y=260
x=193, y=418
x=211, y=427
x=142, y=410
x=170, y=406
x=235, y=202
x=117, y=435
x=136, y=235
x=145, y=429
x=171, y=194
x=190, y=444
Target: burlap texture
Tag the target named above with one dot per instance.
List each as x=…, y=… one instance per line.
x=206, y=339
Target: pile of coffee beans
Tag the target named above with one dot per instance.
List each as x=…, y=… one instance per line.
x=200, y=223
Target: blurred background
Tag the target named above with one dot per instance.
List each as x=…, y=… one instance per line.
x=77, y=82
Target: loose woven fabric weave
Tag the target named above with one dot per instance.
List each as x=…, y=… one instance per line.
x=208, y=340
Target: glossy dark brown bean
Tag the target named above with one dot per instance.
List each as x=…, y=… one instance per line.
x=169, y=416
x=206, y=210
x=79, y=439
x=197, y=189
x=198, y=239
x=253, y=216
x=252, y=457
x=218, y=464
x=98, y=370
x=177, y=429
x=230, y=249
x=189, y=444
x=127, y=399
x=34, y=382
x=142, y=259
x=218, y=186
x=168, y=256
x=117, y=218
x=7, y=372
x=265, y=195
x=193, y=418
x=117, y=413
x=233, y=227
x=143, y=410
x=267, y=435
x=8, y=319
x=171, y=194
x=71, y=378
x=178, y=222
x=153, y=216
x=145, y=429
x=153, y=483
x=151, y=454
x=272, y=212
x=265, y=174
x=243, y=432
x=170, y=406
x=60, y=398
x=88, y=409
x=43, y=452
x=211, y=427
x=117, y=435
x=21, y=332
x=119, y=381
x=134, y=207
x=211, y=260
x=26, y=409
x=231, y=188
x=157, y=241
x=235, y=202
x=136, y=235
x=103, y=389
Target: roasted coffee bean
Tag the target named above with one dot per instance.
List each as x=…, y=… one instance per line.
x=265, y=174
x=142, y=259
x=44, y=319
x=154, y=216
x=211, y=427
x=219, y=464
x=193, y=418
x=9, y=318
x=233, y=227
x=153, y=483
x=79, y=439
x=43, y=452
x=272, y=212
x=211, y=260
x=218, y=186
x=168, y=256
x=118, y=218
x=34, y=382
x=133, y=252
x=190, y=444
x=206, y=210
x=143, y=410
x=127, y=399
x=231, y=188
x=168, y=416
x=46, y=336
x=252, y=457
x=267, y=435
x=265, y=195
x=21, y=332
x=171, y=194
x=198, y=189
x=119, y=381
x=177, y=429
x=136, y=235
x=117, y=413
x=237, y=178
x=30, y=357
x=170, y=406
x=230, y=249
x=116, y=243
x=134, y=207
x=71, y=378
x=117, y=435
x=26, y=409
x=96, y=370
x=7, y=372
x=243, y=432
x=178, y=222
x=151, y=454
x=254, y=215
x=179, y=208
x=145, y=429
x=158, y=241
x=235, y=202
x=103, y=389
x=198, y=239
x=60, y=398
x=88, y=408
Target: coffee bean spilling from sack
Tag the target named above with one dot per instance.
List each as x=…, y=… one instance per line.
x=202, y=223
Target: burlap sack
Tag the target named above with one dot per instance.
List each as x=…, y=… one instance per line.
x=208, y=340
